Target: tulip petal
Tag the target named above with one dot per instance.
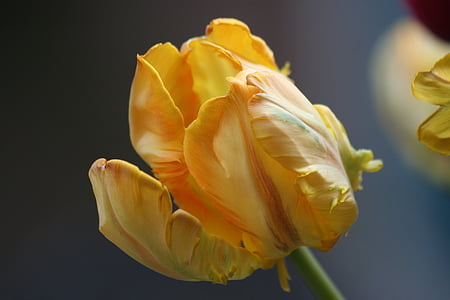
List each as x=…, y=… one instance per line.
x=325, y=204
x=288, y=97
x=434, y=132
x=210, y=65
x=236, y=37
x=188, y=196
x=434, y=86
x=355, y=161
x=135, y=213
x=287, y=125
x=289, y=140
x=220, y=156
x=176, y=76
x=156, y=124
x=157, y=134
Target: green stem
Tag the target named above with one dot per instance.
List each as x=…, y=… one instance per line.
x=314, y=275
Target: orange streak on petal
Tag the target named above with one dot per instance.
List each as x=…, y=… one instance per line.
x=117, y=220
x=156, y=124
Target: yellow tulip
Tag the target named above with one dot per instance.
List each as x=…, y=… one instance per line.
x=255, y=169
x=434, y=87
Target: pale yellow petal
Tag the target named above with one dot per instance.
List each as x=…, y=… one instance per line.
x=355, y=161
x=235, y=36
x=289, y=140
x=283, y=275
x=434, y=86
x=434, y=132
x=176, y=76
x=288, y=97
x=220, y=155
x=326, y=207
x=292, y=132
x=156, y=124
x=136, y=214
x=287, y=125
x=210, y=65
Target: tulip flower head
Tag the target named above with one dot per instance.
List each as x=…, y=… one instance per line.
x=255, y=169
x=434, y=87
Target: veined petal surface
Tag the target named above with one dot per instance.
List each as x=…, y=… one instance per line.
x=135, y=213
x=291, y=131
x=288, y=97
x=220, y=156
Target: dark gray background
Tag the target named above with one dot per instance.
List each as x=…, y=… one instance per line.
x=66, y=70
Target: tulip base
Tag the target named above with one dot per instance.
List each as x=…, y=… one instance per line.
x=314, y=275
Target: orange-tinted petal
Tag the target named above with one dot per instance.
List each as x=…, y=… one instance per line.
x=135, y=213
x=434, y=132
x=210, y=65
x=176, y=76
x=156, y=124
x=434, y=86
x=157, y=133
x=220, y=155
x=236, y=37
x=190, y=197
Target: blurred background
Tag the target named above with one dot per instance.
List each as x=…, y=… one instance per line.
x=66, y=71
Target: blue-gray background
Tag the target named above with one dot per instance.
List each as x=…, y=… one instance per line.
x=66, y=70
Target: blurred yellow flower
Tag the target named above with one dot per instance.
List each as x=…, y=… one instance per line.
x=255, y=169
x=403, y=50
x=434, y=87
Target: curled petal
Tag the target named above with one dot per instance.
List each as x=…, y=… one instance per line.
x=325, y=208
x=434, y=132
x=156, y=124
x=355, y=161
x=210, y=65
x=235, y=36
x=135, y=213
x=176, y=76
x=434, y=86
